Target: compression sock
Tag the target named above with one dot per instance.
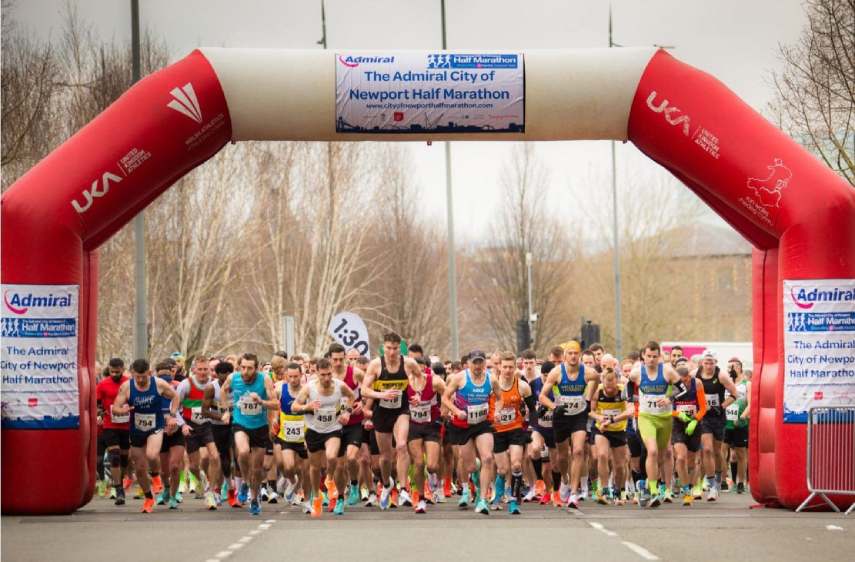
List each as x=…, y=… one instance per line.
x=516, y=485
x=538, y=468
x=556, y=479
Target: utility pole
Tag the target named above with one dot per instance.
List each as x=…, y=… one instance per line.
x=528, y=264
x=615, y=239
x=141, y=309
x=452, y=257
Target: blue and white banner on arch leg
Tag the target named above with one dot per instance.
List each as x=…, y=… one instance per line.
x=38, y=356
x=819, y=345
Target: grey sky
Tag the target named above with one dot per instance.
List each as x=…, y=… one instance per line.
x=734, y=40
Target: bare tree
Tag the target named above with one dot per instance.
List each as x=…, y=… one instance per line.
x=815, y=99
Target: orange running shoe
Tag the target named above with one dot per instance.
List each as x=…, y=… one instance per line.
x=415, y=497
x=446, y=488
x=540, y=487
x=544, y=499
x=156, y=484
x=148, y=505
x=332, y=492
x=331, y=506
x=127, y=483
x=428, y=495
x=317, y=506
x=556, y=499
x=393, y=498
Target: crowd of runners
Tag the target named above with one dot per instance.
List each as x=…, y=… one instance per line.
x=406, y=431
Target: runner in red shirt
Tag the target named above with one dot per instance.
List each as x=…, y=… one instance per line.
x=116, y=433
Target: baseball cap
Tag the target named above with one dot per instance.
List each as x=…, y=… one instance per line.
x=477, y=355
x=709, y=355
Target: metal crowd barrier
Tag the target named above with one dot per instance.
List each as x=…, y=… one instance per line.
x=830, y=455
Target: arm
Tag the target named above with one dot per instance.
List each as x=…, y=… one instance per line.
x=120, y=404
x=702, y=402
x=447, y=401
x=725, y=379
x=272, y=404
x=529, y=399
x=208, y=405
x=348, y=404
x=371, y=374
x=546, y=391
x=300, y=404
x=225, y=390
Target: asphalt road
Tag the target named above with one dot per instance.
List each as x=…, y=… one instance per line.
x=724, y=530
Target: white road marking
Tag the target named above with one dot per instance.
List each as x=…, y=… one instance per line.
x=599, y=527
x=264, y=526
x=640, y=550
x=235, y=546
x=254, y=532
x=270, y=521
x=244, y=539
x=223, y=554
x=833, y=528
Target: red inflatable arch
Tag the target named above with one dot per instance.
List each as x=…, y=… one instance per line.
x=799, y=215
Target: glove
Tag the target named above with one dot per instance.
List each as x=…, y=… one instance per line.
x=690, y=429
x=542, y=410
x=560, y=410
x=684, y=417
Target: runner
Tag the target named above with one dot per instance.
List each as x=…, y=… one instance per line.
x=140, y=397
x=172, y=450
x=509, y=440
x=610, y=411
x=116, y=429
x=424, y=394
x=191, y=393
x=326, y=403
x=736, y=430
x=570, y=418
x=221, y=430
x=690, y=407
x=385, y=382
x=290, y=443
x=351, y=432
x=543, y=441
x=467, y=396
x=715, y=382
x=255, y=406
x=654, y=417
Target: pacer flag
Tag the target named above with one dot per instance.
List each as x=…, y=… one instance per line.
x=348, y=329
x=424, y=92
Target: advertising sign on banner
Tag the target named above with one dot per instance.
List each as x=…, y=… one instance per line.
x=819, y=345
x=38, y=357
x=348, y=329
x=422, y=92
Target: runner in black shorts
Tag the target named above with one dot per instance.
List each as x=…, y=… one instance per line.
x=715, y=382
x=221, y=431
x=690, y=408
x=424, y=395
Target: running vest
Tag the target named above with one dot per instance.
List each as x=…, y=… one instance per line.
x=325, y=418
x=474, y=400
x=192, y=403
x=292, y=426
x=688, y=402
x=713, y=388
x=147, y=410
x=248, y=414
x=544, y=421
x=350, y=381
x=650, y=391
x=571, y=392
x=427, y=410
x=737, y=407
x=216, y=405
x=392, y=381
x=612, y=406
x=509, y=417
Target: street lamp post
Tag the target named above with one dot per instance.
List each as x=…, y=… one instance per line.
x=141, y=322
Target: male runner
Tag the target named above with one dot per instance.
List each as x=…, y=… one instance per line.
x=690, y=407
x=653, y=380
x=736, y=430
x=467, y=396
x=351, y=432
x=424, y=394
x=610, y=411
x=255, y=408
x=385, y=382
x=326, y=403
x=141, y=397
x=172, y=450
x=510, y=439
x=290, y=444
x=570, y=417
x=715, y=382
x=116, y=430
x=221, y=430
x=543, y=437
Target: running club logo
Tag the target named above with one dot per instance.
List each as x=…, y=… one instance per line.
x=770, y=189
x=185, y=102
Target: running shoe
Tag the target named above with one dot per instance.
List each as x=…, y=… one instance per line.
x=393, y=498
x=264, y=494
x=740, y=488
x=272, y=497
x=539, y=488
x=332, y=503
x=332, y=491
x=529, y=496
x=126, y=483
x=339, y=507
x=372, y=500
x=156, y=484
x=243, y=494
x=317, y=507
x=698, y=491
x=173, y=503
x=385, y=498
x=439, y=496
x=148, y=505
x=481, y=507
x=556, y=499
x=138, y=494
x=162, y=498
x=668, y=496
x=446, y=488
x=101, y=488
x=464, y=500
x=211, y=501
x=307, y=507
x=573, y=502
x=113, y=492
x=427, y=494
x=724, y=486
x=513, y=507
x=404, y=499
x=545, y=498
x=353, y=496
x=120, y=497
x=288, y=492
x=688, y=497
x=224, y=490
x=364, y=494
x=564, y=492
x=644, y=497
x=254, y=507
x=712, y=495
x=600, y=498
x=655, y=501
x=421, y=507
x=179, y=496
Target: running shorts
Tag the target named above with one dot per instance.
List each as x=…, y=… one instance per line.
x=655, y=427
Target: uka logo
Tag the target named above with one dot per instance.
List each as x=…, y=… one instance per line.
x=673, y=115
x=99, y=188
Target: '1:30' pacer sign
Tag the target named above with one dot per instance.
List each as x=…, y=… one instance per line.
x=349, y=330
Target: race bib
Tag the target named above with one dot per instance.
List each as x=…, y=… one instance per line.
x=689, y=409
x=732, y=412
x=477, y=413
x=506, y=416
x=196, y=415
x=575, y=404
x=144, y=422
x=712, y=400
x=120, y=418
x=325, y=417
x=545, y=420
x=393, y=404
x=649, y=404
x=248, y=408
x=295, y=431
x=420, y=413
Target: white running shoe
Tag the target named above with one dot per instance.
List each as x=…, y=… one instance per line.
x=529, y=497
x=372, y=500
x=263, y=495
x=272, y=497
x=288, y=492
x=404, y=498
x=564, y=492
x=421, y=507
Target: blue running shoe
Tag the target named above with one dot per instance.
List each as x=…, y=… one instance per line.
x=482, y=508
x=513, y=507
x=254, y=507
x=243, y=493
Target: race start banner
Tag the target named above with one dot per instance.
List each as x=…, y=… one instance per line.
x=38, y=357
x=422, y=92
x=819, y=345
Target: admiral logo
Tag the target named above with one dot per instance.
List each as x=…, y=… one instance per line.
x=805, y=299
x=185, y=102
x=99, y=188
x=21, y=304
x=672, y=114
x=352, y=62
